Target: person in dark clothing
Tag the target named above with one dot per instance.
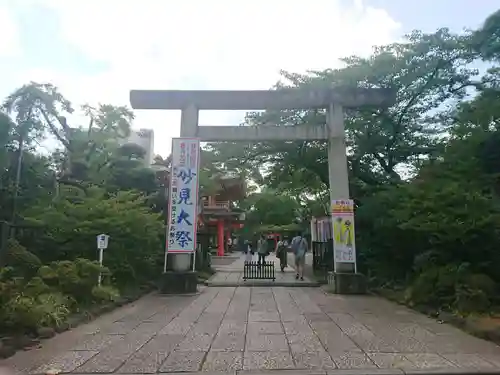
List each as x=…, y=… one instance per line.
x=281, y=253
x=262, y=250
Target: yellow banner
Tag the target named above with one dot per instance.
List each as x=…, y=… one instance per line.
x=343, y=231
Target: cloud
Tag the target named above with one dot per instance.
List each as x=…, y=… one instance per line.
x=10, y=43
x=199, y=44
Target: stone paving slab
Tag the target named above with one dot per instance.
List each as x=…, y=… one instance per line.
x=260, y=329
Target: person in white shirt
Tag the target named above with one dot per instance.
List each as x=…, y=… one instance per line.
x=248, y=252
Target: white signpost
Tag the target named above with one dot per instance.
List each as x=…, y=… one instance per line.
x=183, y=197
x=102, y=244
x=344, y=245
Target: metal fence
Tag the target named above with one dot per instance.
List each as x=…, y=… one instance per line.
x=323, y=256
x=257, y=271
x=322, y=243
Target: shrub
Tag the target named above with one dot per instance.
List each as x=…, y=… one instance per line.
x=36, y=286
x=29, y=313
x=76, y=279
x=22, y=260
x=475, y=293
x=452, y=288
x=136, y=246
x=10, y=285
x=105, y=294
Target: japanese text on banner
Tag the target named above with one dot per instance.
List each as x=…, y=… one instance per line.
x=183, y=195
x=343, y=231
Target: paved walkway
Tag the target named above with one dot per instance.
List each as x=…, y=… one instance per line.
x=232, y=275
x=238, y=262
x=249, y=329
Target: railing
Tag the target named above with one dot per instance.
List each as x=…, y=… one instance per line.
x=216, y=205
x=256, y=271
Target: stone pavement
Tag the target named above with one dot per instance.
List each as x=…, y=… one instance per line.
x=237, y=264
x=232, y=275
x=256, y=329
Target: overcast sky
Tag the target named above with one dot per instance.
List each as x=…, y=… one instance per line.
x=96, y=51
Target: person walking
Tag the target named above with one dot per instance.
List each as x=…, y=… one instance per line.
x=281, y=254
x=262, y=250
x=248, y=252
x=299, y=247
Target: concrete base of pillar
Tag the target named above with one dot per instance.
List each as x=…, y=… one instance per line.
x=181, y=262
x=345, y=268
x=178, y=282
x=347, y=283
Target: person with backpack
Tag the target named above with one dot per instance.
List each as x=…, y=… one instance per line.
x=299, y=247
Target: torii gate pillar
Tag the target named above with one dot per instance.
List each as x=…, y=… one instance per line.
x=333, y=100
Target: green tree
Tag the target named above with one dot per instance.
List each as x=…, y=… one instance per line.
x=427, y=70
x=487, y=38
x=87, y=156
x=270, y=208
x=35, y=108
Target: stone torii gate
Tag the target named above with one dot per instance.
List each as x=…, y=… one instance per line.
x=333, y=100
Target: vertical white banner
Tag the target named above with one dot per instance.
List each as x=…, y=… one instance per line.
x=314, y=233
x=343, y=231
x=183, y=198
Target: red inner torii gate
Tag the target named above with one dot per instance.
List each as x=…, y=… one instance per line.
x=217, y=210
